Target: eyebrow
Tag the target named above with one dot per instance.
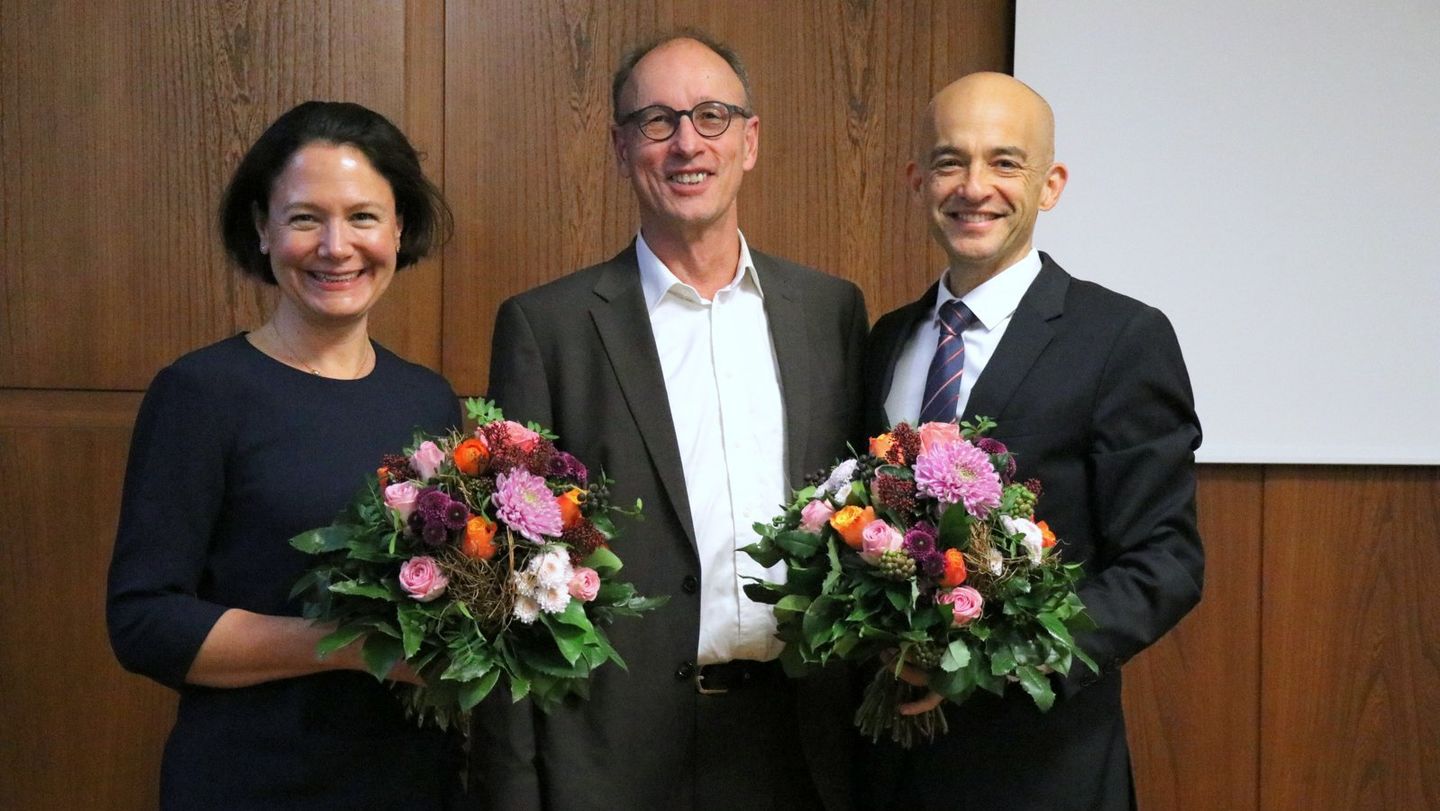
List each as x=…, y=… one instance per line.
x=1009, y=151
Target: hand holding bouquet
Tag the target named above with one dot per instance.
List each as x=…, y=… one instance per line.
x=474, y=558
x=924, y=552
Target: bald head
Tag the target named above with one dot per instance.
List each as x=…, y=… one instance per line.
x=983, y=170
x=981, y=98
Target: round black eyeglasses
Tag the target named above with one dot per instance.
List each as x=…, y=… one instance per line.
x=710, y=118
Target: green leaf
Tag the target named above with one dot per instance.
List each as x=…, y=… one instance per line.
x=483, y=411
x=519, y=687
x=1035, y=683
x=820, y=619
x=799, y=543
x=1002, y=660
x=335, y=640
x=473, y=691
x=956, y=656
x=902, y=602
x=763, y=552
x=354, y=588
x=765, y=593
x=412, y=627
x=325, y=539
x=1056, y=628
x=603, y=561
x=955, y=528
x=380, y=653
x=573, y=615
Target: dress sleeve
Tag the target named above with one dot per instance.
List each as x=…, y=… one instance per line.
x=1150, y=560
x=174, y=489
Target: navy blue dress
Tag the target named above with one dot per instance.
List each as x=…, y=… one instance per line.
x=233, y=454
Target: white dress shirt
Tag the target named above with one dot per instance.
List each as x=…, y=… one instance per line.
x=993, y=304
x=723, y=384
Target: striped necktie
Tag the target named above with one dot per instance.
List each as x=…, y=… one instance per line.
x=942, y=384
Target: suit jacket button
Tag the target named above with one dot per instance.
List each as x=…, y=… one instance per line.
x=684, y=671
x=690, y=584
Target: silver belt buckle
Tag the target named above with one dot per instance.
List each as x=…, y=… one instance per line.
x=700, y=684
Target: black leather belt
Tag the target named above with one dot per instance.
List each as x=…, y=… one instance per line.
x=718, y=679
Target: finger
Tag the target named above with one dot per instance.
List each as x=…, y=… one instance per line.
x=923, y=705
x=915, y=676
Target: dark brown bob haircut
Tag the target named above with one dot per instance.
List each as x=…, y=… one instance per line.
x=427, y=220
x=633, y=56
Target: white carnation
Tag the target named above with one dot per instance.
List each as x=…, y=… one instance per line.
x=527, y=610
x=554, y=599
x=552, y=569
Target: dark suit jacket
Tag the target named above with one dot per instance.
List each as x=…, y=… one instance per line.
x=578, y=355
x=1091, y=394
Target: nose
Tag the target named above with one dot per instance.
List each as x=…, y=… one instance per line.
x=686, y=139
x=975, y=186
x=335, y=243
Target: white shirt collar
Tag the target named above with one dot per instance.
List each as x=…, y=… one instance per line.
x=656, y=279
x=997, y=297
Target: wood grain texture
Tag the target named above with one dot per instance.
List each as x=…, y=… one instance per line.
x=79, y=732
x=839, y=87
x=1192, y=701
x=122, y=123
x=1351, y=677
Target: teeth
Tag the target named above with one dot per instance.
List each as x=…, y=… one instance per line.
x=688, y=178
x=975, y=217
x=336, y=277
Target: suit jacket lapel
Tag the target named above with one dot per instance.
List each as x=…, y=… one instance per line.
x=909, y=316
x=1027, y=336
x=785, y=310
x=623, y=323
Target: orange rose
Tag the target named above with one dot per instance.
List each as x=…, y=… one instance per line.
x=850, y=522
x=954, y=569
x=569, y=502
x=881, y=445
x=383, y=474
x=471, y=456
x=1046, y=534
x=479, y=540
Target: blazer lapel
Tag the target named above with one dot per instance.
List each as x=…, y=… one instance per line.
x=623, y=323
x=785, y=311
x=909, y=316
x=1026, y=337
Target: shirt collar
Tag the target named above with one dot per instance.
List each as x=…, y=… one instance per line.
x=997, y=298
x=656, y=279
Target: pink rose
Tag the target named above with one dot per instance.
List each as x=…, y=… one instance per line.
x=878, y=538
x=401, y=498
x=422, y=579
x=426, y=460
x=520, y=436
x=965, y=604
x=815, y=515
x=935, y=433
x=584, y=584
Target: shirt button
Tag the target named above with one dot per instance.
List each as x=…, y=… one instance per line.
x=684, y=671
x=690, y=584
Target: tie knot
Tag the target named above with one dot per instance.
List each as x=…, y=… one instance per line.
x=955, y=317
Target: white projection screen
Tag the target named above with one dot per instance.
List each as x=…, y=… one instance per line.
x=1267, y=174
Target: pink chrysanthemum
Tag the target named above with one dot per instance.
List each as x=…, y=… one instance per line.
x=527, y=506
x=959, y=473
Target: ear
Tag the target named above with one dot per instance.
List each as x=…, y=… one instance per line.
x=259, y=219
x=914, y=177
x=1054, y=184
x=621, y=145
x=752, y=142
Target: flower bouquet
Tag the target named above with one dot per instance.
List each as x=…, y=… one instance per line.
x=923, y=552
x=474, y=557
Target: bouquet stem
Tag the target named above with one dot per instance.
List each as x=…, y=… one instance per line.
x=879, y=711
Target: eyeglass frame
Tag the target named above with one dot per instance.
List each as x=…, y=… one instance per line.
x=732, y=109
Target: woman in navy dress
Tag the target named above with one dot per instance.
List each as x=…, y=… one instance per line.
x=243, y=444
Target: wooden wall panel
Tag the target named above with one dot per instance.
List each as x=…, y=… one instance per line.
x=1192, y=701
x=78, y=731
x=530, y=171
x=1351, y=679
x=121, y=124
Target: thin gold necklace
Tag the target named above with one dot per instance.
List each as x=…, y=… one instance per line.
x=295, y=359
